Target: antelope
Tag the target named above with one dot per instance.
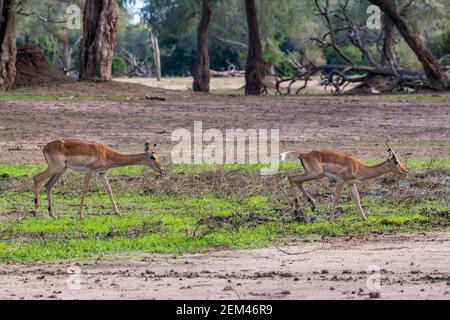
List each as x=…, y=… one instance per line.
x=341, y=168
x=90, y=158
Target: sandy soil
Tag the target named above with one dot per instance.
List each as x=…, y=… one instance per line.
x=411, y=267
x=354, y=124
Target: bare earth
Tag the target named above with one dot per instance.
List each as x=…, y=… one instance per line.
x=411, y=267
x=420, y=129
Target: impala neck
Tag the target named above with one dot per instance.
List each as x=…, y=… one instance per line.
x=370, y=172
x=117, y=159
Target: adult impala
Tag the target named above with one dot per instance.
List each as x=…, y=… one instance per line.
x=91, y=158
x=342, y=168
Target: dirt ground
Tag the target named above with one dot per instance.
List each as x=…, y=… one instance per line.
x=420, y=129
x=410, y=267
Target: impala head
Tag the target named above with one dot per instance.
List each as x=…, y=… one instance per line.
x=152, y=159
x=394, y=162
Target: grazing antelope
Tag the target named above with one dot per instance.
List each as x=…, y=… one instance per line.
x=91, y=158
x=341, y=168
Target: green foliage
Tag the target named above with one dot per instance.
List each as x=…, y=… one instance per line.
x=350, y=51
x=50, y=47
x=439, y=43
x=409, y=59
x=273, y=54
x=288, y=23
x=119, y=65
x=178, y=55
x=221, y=56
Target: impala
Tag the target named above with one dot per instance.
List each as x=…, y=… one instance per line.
x=90, y=158
x=342, y=168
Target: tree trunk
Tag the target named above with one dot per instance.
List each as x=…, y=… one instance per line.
x=431, y=66
x=66, y=53
x=7, y=44
x=253, y=71
x=202, y=75
x=98, y=42
x=156, y=52
x=388, y=56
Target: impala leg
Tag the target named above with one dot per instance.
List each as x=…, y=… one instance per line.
x=108, y=190
x=297, y=181
x=37, y=181
x=355, y=195
x=295, y=194
x=48, y=187
x=87, y=179
x=311, y=200
x=337, y=197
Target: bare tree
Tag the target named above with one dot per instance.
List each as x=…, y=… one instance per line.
x=431, y=66
x=7, y=44
x=253, y=69
x=156, y=52
x=385, y=75
x=202, y=73
x=98, y=42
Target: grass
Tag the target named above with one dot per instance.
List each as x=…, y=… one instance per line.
x=25, y=94
x=204, y=207
x=17, y=170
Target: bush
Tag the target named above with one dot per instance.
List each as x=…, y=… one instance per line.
x=408, y=57
x=352, y=52
x=119, y=65
x=273, y=55
x=439, y=44
x=49, y=46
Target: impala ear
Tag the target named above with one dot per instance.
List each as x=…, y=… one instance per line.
x=147, y=146
x=154, y=147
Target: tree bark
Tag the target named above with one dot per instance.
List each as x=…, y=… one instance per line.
x=431, y=66
x=388, y=56
x=98, y=42
x=156, y=53
x=202, y=74
x=253, y=69
x=7, y=44
x=65, y=61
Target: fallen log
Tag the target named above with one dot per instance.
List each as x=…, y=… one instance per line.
x=227, y=74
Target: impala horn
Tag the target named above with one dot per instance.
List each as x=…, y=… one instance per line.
x=391, y=150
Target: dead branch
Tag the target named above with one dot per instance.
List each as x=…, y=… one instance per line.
x=325, y=14
x=135, y=68
x=386, y=75
x=232, y=42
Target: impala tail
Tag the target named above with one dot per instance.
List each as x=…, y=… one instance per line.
x=284, y=155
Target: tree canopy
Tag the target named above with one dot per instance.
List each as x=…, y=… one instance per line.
x=286, y=29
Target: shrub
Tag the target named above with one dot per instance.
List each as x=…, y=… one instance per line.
x=119, y=65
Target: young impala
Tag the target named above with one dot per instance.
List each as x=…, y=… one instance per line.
x=342, y=168
x=91, y=158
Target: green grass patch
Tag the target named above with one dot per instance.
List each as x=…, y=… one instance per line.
x=17, y=170
x=204, y=207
